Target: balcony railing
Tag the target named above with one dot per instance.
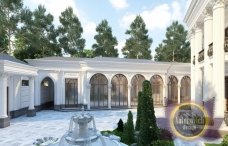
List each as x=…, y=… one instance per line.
x=201, y=56
x=226, y=44
x=210, y=50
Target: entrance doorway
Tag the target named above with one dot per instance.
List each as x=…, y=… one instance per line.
x=71, y=92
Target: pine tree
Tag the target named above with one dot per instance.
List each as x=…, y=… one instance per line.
x=36, y=37
x=148, y=128
x=106, y=42
x=70, y=33
x=175, y=45
x=10, y=11
x=138, y=45
x=137, y=125
x=128, y=134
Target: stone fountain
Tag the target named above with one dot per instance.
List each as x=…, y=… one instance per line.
x=82, y=132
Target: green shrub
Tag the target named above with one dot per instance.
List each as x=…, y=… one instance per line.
x=225, y=141
x=165, y=135
x=149, y=131
x=120, y=126
x=137, y=125
x=162, y=143
x=128, y=134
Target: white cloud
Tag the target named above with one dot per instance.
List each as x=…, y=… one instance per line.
x=89, y=29
x=55, y=7
x=157, y=18
x=119, y=4
x=177, y=14
x=120, y=45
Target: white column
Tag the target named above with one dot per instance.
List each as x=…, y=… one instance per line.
x=109, y=96
x=198, y=72
x=164, y=94
x=218, y=57
x=192, y=42
x=37, y=91
x=31, y=86
x=208, y=36
x=83, y=87
x=129, y=95
x=179, y=86
x=88, y=96
x=62, y=102
x=3, y=96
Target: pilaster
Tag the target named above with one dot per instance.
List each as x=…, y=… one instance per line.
x=129, y=95
x=31, y=110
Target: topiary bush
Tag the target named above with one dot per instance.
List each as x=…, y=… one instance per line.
x=120, y=126
x=128, y=134
x=137, y=125
x=149, y=131
x=225, y=141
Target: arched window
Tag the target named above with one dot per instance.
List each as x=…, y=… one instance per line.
x=185, y=89
x=119, y=91
x=172, y=89
x=47, y=93
x=157, y=89
x=99, y=91
x=136, y=86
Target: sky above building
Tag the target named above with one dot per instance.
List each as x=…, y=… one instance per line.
x=157, y=14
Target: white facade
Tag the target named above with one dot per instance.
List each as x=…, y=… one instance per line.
x=207, y=21
x=71, y=82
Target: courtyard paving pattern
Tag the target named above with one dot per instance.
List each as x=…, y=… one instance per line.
x=23, y=130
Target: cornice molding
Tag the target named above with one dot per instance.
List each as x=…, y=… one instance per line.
x=218, y=3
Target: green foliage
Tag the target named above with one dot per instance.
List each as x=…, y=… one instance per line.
x=149, y=131
x=162, y=143
x=128, y=134
x=36, y=37
x=175, y=44
x=165, y=135
x=10, y=11
x=137, y=125
x=225, y=141
x=70, y=33
x=87, y=53
x=138, y=45
x=120, y=126
x=105, y=41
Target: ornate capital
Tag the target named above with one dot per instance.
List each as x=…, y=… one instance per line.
x=191, y=34
x=198, y=26
x=207, y=13
x=218, y=3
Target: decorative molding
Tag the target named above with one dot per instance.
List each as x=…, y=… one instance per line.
x=198, y=26
x=208, y=12
x=218, y=3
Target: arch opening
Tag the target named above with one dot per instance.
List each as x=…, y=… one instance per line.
x=157, y=89
x=185, y=89
x=47, y=93
x=172, y=90
x=136, y=83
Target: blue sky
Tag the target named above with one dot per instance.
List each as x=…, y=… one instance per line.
x=157, y=14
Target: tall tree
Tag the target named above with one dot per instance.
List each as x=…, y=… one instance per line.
x=128, y=134
x=37, y=35
x=137, y=125
x=138, y=45
x=9, y=17
x=175, y=46
x=106, y=42
x=70, y=31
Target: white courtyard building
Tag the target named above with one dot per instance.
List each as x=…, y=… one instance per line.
x=207, y=21
x=97, y=83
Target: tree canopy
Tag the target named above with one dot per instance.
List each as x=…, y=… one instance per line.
x=139, y=43
x=175, y=46
x=36, y=37
x=105, y=41
x=10, y=11
x=70, y=33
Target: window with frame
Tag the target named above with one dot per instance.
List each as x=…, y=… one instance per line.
x=25, y=82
